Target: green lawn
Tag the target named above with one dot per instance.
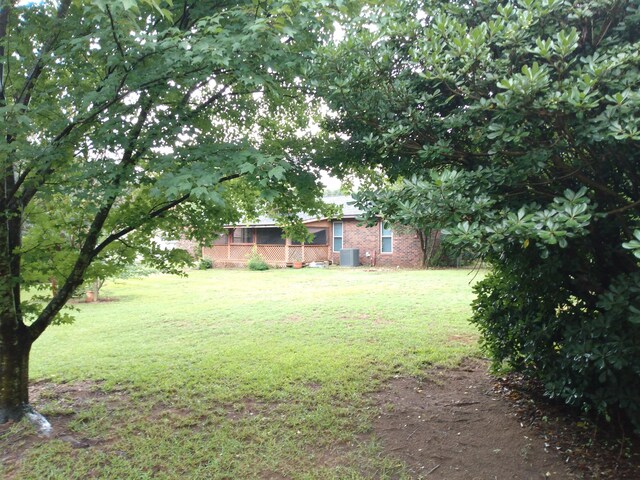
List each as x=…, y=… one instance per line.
x=232, y=374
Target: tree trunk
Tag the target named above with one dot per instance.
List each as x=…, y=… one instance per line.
x=15, y=346
x=423, y=236
x=97, y=285
x=435, y=243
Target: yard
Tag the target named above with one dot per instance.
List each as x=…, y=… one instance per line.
x=238, y=374
x=283, y=374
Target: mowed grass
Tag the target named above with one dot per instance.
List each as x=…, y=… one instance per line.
x=232, y=374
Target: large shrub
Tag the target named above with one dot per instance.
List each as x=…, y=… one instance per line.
x=585, y=355
x=514, y=126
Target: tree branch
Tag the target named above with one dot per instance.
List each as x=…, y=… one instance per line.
x=624, y=209
x=156, y=213
x=183, y=21
x=150, y=216
x=25, y=94
x=4, y=24
x=12, y=218
x=209, y=101
x=113, y=32
x=10, y=200
x=47, y=168
x=87, y=254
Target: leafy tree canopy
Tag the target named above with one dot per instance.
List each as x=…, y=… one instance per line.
x=123, y=118
x=521, y=121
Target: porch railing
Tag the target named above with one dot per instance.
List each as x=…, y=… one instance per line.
x=279, y=255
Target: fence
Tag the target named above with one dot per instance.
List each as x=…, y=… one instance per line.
x=277, y=255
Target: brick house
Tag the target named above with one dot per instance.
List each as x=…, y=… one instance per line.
x=377, y=245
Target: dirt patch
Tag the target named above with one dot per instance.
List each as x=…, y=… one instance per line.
x=64, y=399
x=76, y=301
x=250, y=408
x=462, y=339
x=60, y=404
x=593, y=449
x=459, y=424
x=454, y=426
x=293, y=319
x=351, y=321
x=271, y=475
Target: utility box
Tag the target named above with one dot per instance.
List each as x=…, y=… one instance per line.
x=350, y=257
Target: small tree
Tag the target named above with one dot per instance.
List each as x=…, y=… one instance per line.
x=427, y=206
x=123, y=117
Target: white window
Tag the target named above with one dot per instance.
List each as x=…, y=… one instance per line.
x=337, y=236
x=386, y=238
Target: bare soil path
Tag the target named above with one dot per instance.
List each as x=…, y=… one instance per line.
x=465, y=424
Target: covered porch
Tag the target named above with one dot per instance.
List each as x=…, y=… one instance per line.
x=235, y=247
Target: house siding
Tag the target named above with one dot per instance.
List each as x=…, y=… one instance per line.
x=406, y=251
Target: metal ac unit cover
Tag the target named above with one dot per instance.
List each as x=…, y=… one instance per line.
x=350, y=257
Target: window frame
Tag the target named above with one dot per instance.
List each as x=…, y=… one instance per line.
x=334, y=236
x=383, y=236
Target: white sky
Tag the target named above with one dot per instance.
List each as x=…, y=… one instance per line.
x=330, y=182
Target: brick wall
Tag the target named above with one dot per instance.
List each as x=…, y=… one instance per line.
x=406, y=246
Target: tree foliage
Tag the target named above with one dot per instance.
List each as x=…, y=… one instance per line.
x=425, y=205
x=124, y=118
x=533, y=107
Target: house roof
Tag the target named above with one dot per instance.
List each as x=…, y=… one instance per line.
x=348, y=211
